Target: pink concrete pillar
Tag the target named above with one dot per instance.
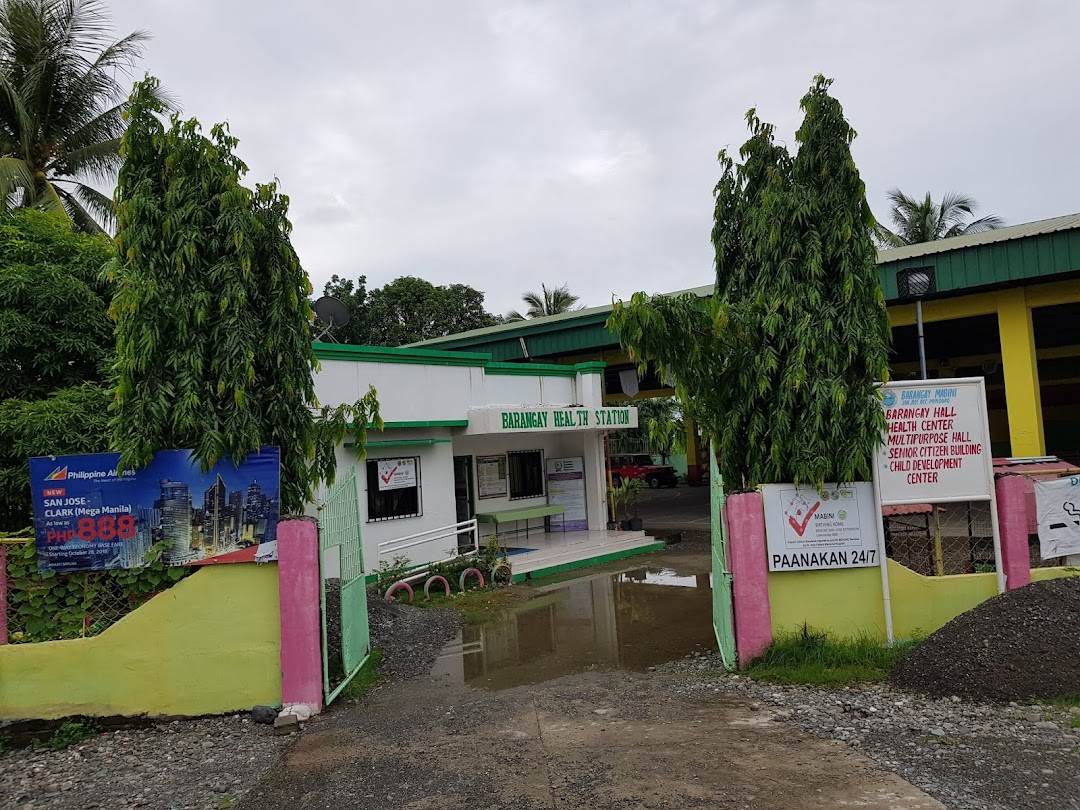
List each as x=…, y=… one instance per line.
x=301, y=623
x=3, y=595
x=750, y=573
x=1013, y=521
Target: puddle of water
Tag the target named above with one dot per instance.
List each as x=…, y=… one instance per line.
x=632, y=620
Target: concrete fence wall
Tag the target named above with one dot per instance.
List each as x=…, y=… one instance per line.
x=849, y=602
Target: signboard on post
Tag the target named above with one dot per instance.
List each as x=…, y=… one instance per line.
x=938, y=443
x=87, y=517
x=396, y=473
x=566, y=487
x=1057, y=504
x=808, y=530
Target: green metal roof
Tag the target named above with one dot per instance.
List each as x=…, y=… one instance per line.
x=1017, y=254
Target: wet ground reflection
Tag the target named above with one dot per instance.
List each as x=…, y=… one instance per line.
x=631, y=620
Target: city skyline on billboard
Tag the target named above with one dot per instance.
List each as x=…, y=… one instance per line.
x=88, y=517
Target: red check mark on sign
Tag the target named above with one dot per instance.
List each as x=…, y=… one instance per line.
x=800, y=526
x=386, y=478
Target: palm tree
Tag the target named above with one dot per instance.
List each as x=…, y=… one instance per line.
x=61, y=106
x=548, y=302
x=918, y=221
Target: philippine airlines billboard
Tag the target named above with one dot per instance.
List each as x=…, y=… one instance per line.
x=87, y=517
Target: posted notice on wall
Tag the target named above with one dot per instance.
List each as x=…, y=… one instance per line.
x=1057, y=504
x=808, y=530
x=491, y=478
x=566, y=487
x=88, y=517
x=397, y=473
x=938, y=442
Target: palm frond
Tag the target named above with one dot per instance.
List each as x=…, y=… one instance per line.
x=15, y=176
x=81, y=219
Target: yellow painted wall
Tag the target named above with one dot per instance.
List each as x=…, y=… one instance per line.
x=847, y=602
x=210, y=644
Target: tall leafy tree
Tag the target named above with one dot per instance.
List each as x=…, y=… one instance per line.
x=922, y=220
x=781, y=366
x=55, y=346
x=553, y=301
x=62, y=105
x=213, y=323
x=410, y=309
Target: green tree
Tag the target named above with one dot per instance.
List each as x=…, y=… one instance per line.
x=354, y=295
x=55, y=330
x=410, y=309
x=213, y=323
x=554, y=301
x=55, y=345
x=922, y=220
x=62, y=106
x=780, y=367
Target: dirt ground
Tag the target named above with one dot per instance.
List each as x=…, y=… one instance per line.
x=597, y=740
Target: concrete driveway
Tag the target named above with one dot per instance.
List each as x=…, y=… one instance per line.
x=595, y=740
x=684, y=508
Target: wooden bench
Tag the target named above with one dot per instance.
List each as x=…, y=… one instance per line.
x=525, y=513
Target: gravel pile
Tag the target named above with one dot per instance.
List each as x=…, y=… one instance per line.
x=183, y=765
x=1020, y=645
x=410, y=638
x=974, y=756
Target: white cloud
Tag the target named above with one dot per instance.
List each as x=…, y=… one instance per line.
x=504, y=144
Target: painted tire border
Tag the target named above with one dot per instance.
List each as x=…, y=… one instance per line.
x=397, y=586
x=499, y=567
x=465, y=574
x=427, y=586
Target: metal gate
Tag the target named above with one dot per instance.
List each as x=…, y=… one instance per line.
x=345, y=638
x=723, y=624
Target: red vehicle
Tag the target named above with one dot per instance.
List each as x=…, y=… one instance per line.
x=642, y=467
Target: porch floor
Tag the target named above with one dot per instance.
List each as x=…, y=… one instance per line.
x=552, y=552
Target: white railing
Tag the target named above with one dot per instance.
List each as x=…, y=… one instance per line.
x=393, y=548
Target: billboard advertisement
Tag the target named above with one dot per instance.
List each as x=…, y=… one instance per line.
x=87, y=517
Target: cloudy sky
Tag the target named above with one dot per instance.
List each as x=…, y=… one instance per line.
x=503, y=144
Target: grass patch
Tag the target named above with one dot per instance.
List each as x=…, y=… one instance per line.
x=366, y=679
x=478, y=606
x=70, y=733
x=1075, y=722
x=811, y=657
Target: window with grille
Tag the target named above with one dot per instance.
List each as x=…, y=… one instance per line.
x=393, y=488
x=526, y=468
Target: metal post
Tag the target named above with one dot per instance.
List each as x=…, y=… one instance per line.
x=922, y=339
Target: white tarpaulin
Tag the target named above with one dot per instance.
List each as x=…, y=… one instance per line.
x=397, y=473
x=1057, y=504
x=628, y=381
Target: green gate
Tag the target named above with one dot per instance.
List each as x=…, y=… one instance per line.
x=721, y=577
x=345, y=638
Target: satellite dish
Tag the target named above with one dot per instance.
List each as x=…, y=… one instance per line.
x=331, y=312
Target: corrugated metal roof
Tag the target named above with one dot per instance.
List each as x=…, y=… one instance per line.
x=1065, y=223
x=511, y=331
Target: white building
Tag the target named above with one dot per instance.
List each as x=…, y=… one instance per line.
x=467, y=438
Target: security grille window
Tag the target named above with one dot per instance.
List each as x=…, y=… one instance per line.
x=393, y=488
x=916, y=282
x=526, y=473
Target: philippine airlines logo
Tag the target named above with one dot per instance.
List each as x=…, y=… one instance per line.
x=59, y=474
x=799, y=512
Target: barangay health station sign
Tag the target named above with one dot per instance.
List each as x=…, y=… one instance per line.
x=88, y=517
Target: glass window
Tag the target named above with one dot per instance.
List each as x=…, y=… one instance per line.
x=393, y=488
x=526, y=473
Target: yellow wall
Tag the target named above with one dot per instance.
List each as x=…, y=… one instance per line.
x=210, y=644
x=847, y=602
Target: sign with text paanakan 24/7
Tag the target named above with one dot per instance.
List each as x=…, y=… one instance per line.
x=938, y=442
x=808, y=530
x=87, y=517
